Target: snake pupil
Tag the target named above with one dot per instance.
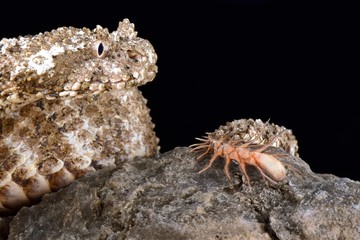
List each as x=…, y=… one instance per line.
x=100, y=49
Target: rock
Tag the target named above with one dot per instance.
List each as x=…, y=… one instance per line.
x=165, y=198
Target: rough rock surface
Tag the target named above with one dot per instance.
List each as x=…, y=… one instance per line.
x=165, y=198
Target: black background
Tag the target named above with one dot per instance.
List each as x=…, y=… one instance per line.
x=225, y=60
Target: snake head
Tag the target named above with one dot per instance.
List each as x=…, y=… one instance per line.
x=73, y=62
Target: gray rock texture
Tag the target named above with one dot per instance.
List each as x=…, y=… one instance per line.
x=165, y=198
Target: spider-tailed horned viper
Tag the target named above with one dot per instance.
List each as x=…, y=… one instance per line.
x=69, y=105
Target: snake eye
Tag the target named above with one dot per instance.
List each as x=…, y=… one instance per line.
x=100, y=49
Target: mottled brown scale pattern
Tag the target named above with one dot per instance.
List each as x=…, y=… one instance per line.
x=68, y=107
